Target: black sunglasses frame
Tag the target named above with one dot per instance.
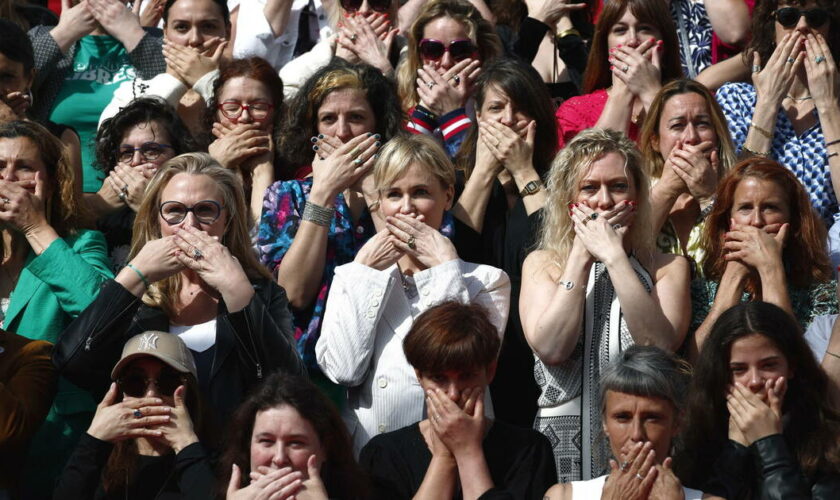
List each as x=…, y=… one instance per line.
x=381, y=6
x=815, y=18
x=187, y=209
x=132, y=389
x=443, y=49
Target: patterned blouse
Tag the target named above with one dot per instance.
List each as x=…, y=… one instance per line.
x=805, y=155
x=693, y=26
x=808, y=303
x=282, y=209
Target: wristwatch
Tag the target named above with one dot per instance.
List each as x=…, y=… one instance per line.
x=531, y=188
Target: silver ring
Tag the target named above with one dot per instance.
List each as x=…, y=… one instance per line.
x=756, y=68
x=616, y=226
x=640, y=477
x=197, y=255
x=138, y=413
x=624, y=466
x=790, y=60
x=456, y=79
x=5, y=201
x=357, y=161
x=819, y=59
x=353, y=38
x=430, y=84
x=625, y=68
x=411, y=242
x=121, y=196
x=125, y=189
x=593, y=216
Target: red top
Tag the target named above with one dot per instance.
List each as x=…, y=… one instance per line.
x=582, y=112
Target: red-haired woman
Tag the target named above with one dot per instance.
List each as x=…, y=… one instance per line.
x=763, y=241
x=634, y=50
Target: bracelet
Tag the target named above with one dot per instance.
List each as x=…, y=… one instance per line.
x=707, y=210
x=832, y=354
x=832, y=143
x=425, y=113
x=318, y=214
x=568, y=32
x=755, y=153
x=141, y=275
x=763, y=131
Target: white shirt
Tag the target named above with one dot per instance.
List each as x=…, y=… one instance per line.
x=198, y=337
x=819, y=333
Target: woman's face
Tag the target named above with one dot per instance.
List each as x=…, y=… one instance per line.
x=631, y=32
x=12, y=76
x=141, y=370
x=685, y=118
x=242, y=90
x=148, y=143
x=445, y=30
x=193, y=22
x=605, y=184
x=631, y=419
x=760, y=202
x=499, y=107
x=345, y=114
x=21, y=161
x=191, y=190
x=283, y=438
x=453, y=383
x=417, y=192
x=801, y=25
x=755, y=359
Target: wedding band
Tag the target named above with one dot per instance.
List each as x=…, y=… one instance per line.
x=125, y=189
x=819, y=59
x=593, y=216
x=790, y=60
x=138, y=413
x=756, y=68
x=624, y=466
x=430, y=84
x=357, y=161
x=625, y=68
x=353, y=37
x=456, y=79
x=197, y=255
x=640, y=477
x=121, y=196
x=616, y=226
x=5, y=201
x=411, y=243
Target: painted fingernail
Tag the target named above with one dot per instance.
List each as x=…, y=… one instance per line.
x=314, y=139
x=314, y=148
x=660, y=42
x=378, y=136
x=571, y=205
x=320, y=136
x=369, y=134
x=377, y=144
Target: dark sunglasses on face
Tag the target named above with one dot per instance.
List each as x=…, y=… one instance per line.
x=377, y=5
x=136, y=385
x=233, y=109
x=206, y=211
x=433, y=50
x=150, y=151
x=789, y=16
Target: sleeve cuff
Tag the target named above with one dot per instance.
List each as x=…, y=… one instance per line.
x=454, y=122
x=204, y=85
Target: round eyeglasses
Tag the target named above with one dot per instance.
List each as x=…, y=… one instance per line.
x=206, y=211
x=150, y=151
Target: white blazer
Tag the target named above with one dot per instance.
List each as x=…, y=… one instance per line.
x=366, y=318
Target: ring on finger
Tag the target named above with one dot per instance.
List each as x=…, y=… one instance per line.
x=353, y=38
x=138, y=413
x=616, y=226
x=411, y=242
x=125, y=189
x=5, y=201
x=456, y=79
x=196, y=254
x=624, y=466
x=640, y=477
x=756, y=68
x=430, y=84
x=819, y=59
x=357, y=162
x=121, y=196
x=790, y=60
x=625, y=68
x=593, y=215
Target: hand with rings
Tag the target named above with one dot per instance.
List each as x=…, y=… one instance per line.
x=130, y=418
x=212, y=261
x=460, y=427
x=367, y=39
x=635, y=478
x=821, y=70
x=412, y=236
x=442, y=91
x=379, y=252
x=602, y=234
x=129, y=183
x=773, y=82
x=638, y=68
x=343, y=165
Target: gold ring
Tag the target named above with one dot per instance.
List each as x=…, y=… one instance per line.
x=411, y=243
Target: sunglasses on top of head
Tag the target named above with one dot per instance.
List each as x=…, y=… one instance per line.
x=433, y=50
x=789, y=16
x=382, y=6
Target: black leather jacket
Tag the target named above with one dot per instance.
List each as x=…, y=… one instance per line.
x=766, y=470
x=250, y=343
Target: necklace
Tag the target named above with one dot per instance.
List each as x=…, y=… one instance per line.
x=799, y=99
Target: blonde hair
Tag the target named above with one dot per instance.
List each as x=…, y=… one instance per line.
x=480, y=31
x=164, y=293
x=404, y=151
x=557, y=232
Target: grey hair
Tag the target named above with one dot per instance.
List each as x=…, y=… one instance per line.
x=650, y=372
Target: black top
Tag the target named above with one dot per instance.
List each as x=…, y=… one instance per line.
x=186, y=475
x=520, y=460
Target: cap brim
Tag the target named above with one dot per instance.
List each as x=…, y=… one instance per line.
x=155, y=354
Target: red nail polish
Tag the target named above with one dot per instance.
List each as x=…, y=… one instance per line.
x=660, y=42
x=612, y=68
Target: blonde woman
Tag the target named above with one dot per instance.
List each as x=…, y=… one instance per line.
x=595, y=286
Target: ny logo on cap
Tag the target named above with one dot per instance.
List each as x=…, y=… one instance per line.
x=148, y=342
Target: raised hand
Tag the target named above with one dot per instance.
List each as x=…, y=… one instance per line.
x=754, y=417
x=17, y=103
x=549, y=12
x=379, y=252
x=150, y=16
x=773, y=82
x=509, y=145
x=667, y=485
x=359, y=36
x=758, y=248
x=414, y=237
x=344, y=166
x=313, y=486
x=823, y=80
x=634, y=479
x=120, y=22
x=177, y=432
x=639, y=67
x=697, y=166
x=157, y=259
x=212, y=261
x=190, y=64
x=460, y=430
x=234, y=145
x=130, y=181
x=277, y=484
x=442, y=91
x=76, y=21
x=22, y=205
x=128, y=419
x=602, y=238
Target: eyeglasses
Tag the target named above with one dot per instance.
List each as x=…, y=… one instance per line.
x=206, y=211
x=789, y=16
x=257, y=110
x=355, y=5
x=136, y=385
x=433, y=50
x=150, y=151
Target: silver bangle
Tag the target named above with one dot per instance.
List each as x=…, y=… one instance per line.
x=317, y=214
x=707, y=210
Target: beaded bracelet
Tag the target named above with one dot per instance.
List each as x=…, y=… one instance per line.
x=755, y=153
x=318, y=214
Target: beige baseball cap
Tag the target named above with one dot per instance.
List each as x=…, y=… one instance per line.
x=164, y=346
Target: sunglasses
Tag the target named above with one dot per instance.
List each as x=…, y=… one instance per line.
x=150, y=151
x=136, y=385
x=433, y=50
x=233, y=109
x=377, y=5
x=206, y=211
x=789, y=16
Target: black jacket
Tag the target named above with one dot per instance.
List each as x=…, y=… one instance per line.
x=187, y=475
x=767, y=471
x=250, y=343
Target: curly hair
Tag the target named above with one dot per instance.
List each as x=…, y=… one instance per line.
x=144, y=110
x=524, y=86
x=653, y=12
x=557, y=231
x=340, y=472
x=811, y=426
x=480, y=31
x=804, y=254
x=64, y=208
x=301, y=118
x=763, y=30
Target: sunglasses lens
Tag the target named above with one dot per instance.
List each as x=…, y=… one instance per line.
x=168, y=382
x=133, y=385
x=816, y=17
x=788, y=16
x=461, y=49
x=431, y=49
x=351, y=5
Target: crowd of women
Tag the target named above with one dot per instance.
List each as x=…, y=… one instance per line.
x=496, y=249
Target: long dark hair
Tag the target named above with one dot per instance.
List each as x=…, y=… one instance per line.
x=340, y=472
x=812, y=427
x=524, y=86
